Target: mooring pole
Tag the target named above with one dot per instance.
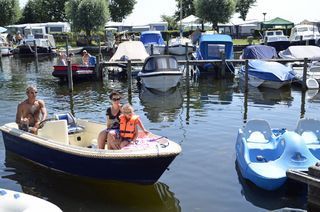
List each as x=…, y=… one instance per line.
x=0, y=60
x=223, y=65
x=70, y=77
x=246, y=76
x=129, y=77
x=151, y=49
x=304, y=76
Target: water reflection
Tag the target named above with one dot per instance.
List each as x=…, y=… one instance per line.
x=161, y=106
x=72, y=193
x=269, y=96
x=291, y=195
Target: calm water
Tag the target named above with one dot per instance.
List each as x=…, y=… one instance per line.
x=204, y=121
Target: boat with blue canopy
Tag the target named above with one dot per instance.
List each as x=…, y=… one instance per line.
x=264, y=155
x=153, y=42
x=265, y=73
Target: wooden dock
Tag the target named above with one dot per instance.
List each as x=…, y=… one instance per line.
x=312, y=179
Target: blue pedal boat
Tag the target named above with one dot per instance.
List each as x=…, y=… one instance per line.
x=264, y=154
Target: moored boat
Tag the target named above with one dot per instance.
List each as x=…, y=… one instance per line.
x=313, y=68
x=264, y=154
x=178, y=46
x=78, y=71
x=18, y=201
x=43, y=44
x=73, y=150
x=265, y=73
x=214, y=47
x=160, y=72
x=153, y=42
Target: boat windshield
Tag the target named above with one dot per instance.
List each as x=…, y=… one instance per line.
x=303, y=29
x=215, y=50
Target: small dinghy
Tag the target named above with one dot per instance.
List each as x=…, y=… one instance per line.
x=264, y=154
x=17, y=201
x=69, y=145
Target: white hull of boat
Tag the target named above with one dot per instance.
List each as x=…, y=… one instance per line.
x=257, y=82
x=17, y=201
x=5, y=51
x=179, y=49
x=157, y=49
x=161, y=81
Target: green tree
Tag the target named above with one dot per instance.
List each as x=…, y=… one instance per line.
x=87, y=15
x=9, y=12
x=37, y=11
x=215, y=11
x=243, y=7
x=187, y=9
x=172, y=23
x=120, y=9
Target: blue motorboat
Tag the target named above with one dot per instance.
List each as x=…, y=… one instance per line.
x=264, y=155
x=153, y=42
x=214, y=47
x=265, y=73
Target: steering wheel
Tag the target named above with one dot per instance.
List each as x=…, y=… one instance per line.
x=41, y=124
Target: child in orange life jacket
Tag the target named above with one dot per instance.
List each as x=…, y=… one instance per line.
x=128, y=131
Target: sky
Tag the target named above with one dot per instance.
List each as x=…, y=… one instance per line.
x=147, y=11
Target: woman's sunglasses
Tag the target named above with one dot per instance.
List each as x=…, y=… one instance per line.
x=116, y=99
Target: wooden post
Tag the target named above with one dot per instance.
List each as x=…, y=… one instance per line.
x=70, y=77
x=100, y=54
x=129, y=75
x=151, y=49
x=304, y=76
x=167, y=47
x=35, y=49
x=98, y=70
x=223, y=65
x=0, y=60
x=303, y=104
x=67, y=47
x=187, y=47
x=246, y=76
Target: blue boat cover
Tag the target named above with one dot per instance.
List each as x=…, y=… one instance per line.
x=259, y=52
x=151, y=37
x=212, y=45
x=272, y=71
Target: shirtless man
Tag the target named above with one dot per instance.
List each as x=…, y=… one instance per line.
x=28, y=112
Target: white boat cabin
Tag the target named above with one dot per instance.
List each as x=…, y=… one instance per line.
x=304, y=32
x=274, y=36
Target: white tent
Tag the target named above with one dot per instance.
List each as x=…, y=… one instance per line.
x=189, y=20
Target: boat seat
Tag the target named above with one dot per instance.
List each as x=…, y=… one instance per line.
x=56, y=130
x=257, y=131
x=71, y=121
x=309, y=129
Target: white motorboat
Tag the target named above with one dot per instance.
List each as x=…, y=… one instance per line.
x=304, y=33
x=153, y=42
x=68, y=145
x=160, y=72
x=43, y=43
x=178, y=45
x=18, y=201
x=300, y=52
x=276, y=39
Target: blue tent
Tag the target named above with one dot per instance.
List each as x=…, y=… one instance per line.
x=259, y=52
x=151, y=37
x=212, y=45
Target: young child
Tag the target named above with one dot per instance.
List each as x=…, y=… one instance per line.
x=128, y=131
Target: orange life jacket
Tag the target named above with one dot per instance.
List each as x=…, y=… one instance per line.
x=128, y=127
